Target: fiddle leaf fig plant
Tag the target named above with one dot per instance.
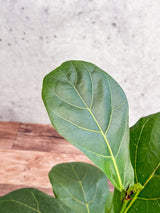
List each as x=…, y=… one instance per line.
x=90, y=110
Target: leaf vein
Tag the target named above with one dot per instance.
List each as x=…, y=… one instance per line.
x=81, y=185
x=137, y=149
x=103, y=156
x=37, y=203
x=91, y=84
x=63, y=99
x=111, y=114
x=76, y=74
x=74, y=198
x=80, y=127
x=143, y=198
x=20, y=203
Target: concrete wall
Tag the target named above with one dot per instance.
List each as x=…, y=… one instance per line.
x=121, y=37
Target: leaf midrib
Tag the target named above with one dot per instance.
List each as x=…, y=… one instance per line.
x=103, y=134
x=86, y=204
x=84, y=195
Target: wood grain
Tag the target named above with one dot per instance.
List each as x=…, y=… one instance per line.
x=31, y=167
x=42, y=138
x=8, y=133
x=27, y=154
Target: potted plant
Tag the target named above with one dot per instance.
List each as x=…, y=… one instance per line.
x=90, y=110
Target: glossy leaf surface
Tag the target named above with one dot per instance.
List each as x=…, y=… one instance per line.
x=89, y=109
x=31, y=201
x=80, y=186
x=145, y=157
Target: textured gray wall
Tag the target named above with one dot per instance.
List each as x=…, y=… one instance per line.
x=121, y=37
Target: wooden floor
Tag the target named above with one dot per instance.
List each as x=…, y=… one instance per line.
x=28, y=152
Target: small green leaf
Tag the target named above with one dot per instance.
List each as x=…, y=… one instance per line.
x=31, y=201
x=145, y=157
x=80, y=186
x=90, y=110
x=137, y=187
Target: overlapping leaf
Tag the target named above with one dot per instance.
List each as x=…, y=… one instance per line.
x=89, y=109
x=145, y=157
x=80, y=186
x=31, y=201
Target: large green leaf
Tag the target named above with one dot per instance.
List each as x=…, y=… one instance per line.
x=145, y=157
x=80, y=186
x=31, y=201
x=89, y=109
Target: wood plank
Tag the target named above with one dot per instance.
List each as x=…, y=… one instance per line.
x=28, y=152
x=8, y=133
x=31, y=168
x=44, y=138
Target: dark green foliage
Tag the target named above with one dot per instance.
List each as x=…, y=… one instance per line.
x=31, y=201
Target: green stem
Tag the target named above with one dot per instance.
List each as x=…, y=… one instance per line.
x=123, y=207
